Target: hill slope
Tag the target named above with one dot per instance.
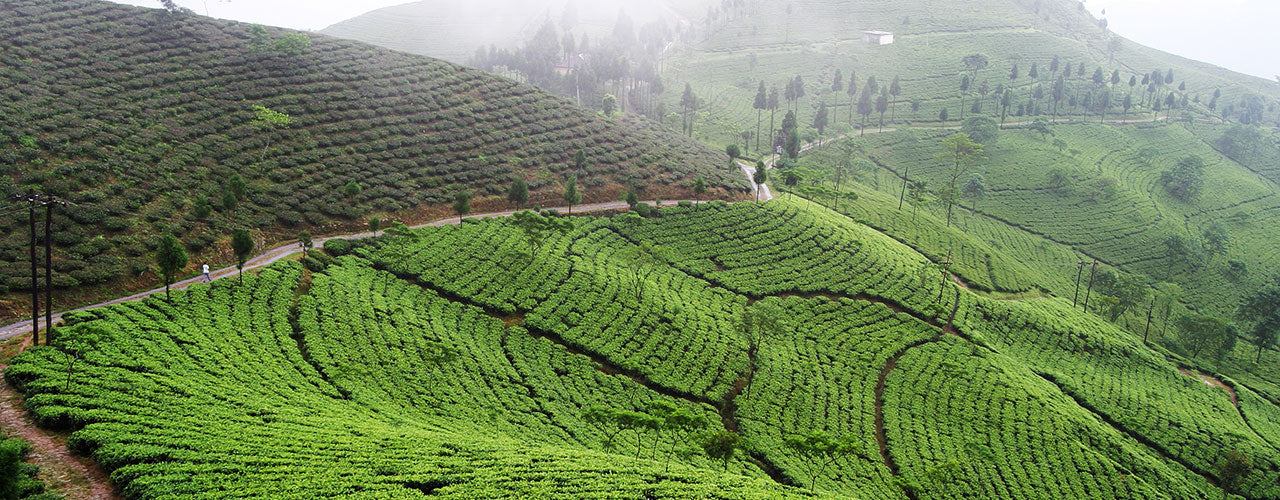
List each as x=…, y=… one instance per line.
x=139, y=120
x=455, y=363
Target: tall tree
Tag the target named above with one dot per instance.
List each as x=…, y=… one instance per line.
x=882, y=105
x=895, y=90
x=820, y=121
x=800, y=93
x=537, y=228
x=963, y=154
x=688, y=103
x=170, y=258
x=761, y=103
x=268, y=121
x=773, y=108
x=571, y=195
x=242, y=247
x=699, y=187
x=837, y=85
x=852, y=91
x=1262, y=310
x=974, y=63
x=759, y=177
x=964, y=91
x=864, y=109
x=462, y=205
x=518, y=193
x=1199, y=333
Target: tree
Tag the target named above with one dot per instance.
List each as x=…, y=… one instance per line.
x=981, y=129
x=759, y=177
x=375, y=225
x=820, y=121
x=975, y=190
x=518, y=193
x=721, y=445
x=791, y=179
x=882, y=105
x=773, y=108
x=1216, y=240
x=609, y=104
x=1041, y=127
x=76, y=343
x=580, y=160
x=1126, y=104
x=1059, y=179
x=268, y=121
x=304, y=241
x=1185, y=179
x=895, y=90
x=837, y=85
x=761, y=103
x=963, y=154
x=799, y=91
x=605, y=420
x=688, y=103
x=571, y=195
x=758, y=324
x=242, y=246
x=1232, y=470
x=964, y=91
x=259, y=39
x=1199, y=333
x=852, y=90
x=820, y=451
x=942, y=115
x=678, y=423
x=733, y=151
x=537, y=228
x=699, y=187
x=170, y=258
x=293, y=44
x=1262, y=310
x=632, y=197
x=237, y=186
x=975, y=63
x=1005, y=101
x=864, y=109
x=1059, y=92
x=462, y=204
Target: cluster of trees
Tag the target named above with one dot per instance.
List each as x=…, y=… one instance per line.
x=1257, y=319
x=667, y=424
x=595, y=72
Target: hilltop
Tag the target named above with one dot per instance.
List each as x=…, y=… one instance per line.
x=149, y=123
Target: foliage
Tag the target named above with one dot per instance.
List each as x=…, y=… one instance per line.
x=170, y=258
x=981, y=129
x=1185, y=179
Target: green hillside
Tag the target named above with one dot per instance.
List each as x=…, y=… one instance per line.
x=458, y=362
x=144, y=122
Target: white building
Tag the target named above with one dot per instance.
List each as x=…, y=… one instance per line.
x=877, y=37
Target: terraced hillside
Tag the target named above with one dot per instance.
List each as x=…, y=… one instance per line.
x=148, y=124
x=776, y=42
x=1024, y=232
x=461, y=362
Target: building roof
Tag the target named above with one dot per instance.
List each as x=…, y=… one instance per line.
x=880, y=33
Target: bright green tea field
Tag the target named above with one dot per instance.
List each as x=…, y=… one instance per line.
x=462, y=362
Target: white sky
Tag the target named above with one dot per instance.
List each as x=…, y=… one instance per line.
x=1237, y=34
x=1240, y=35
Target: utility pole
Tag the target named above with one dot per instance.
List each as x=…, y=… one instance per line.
x=1075, y=301
x=49, y=202
x=906, y=179
x=1089, y=293
x=32, y=199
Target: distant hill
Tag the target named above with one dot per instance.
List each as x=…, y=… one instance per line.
x=143, y=122
x=454, y=30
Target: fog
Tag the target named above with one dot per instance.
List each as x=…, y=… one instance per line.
x=1236, y=34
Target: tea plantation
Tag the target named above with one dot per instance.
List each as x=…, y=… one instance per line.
x=464, y=362
x=147, y=124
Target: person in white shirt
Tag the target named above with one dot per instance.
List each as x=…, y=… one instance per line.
x=205, y=268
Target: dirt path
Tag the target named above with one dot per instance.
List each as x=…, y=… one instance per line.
x=72, y=476
x=1212, y=382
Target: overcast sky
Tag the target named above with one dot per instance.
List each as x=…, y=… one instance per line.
x=1237, y=34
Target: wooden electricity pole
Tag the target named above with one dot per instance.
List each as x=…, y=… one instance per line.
x=1075, y=301
x=1093, y=272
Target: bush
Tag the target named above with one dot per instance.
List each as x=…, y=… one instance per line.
x=643, y=209
x=337, y=247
